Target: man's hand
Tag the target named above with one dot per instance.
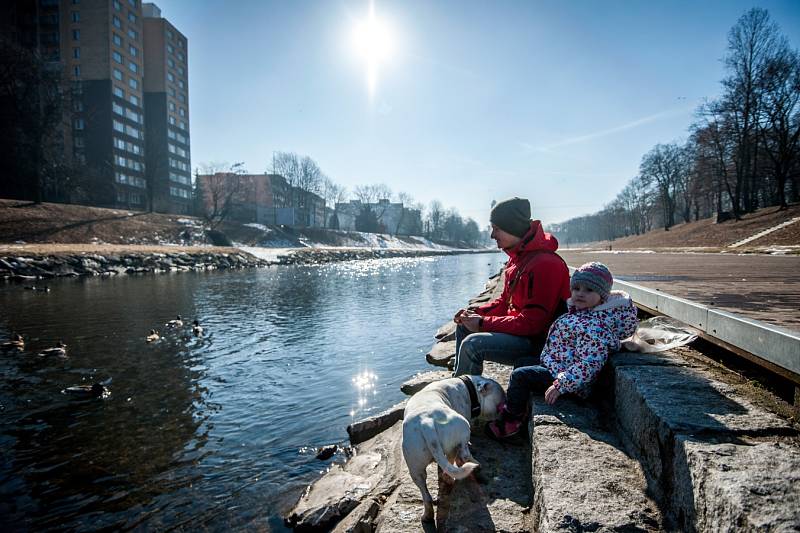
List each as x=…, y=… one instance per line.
x=458, y=315
x=470, y=320
x=551, y=395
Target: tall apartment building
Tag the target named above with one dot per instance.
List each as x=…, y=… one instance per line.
x=109, y=136
x=166, y=99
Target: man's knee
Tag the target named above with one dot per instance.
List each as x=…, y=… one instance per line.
x=472, y=347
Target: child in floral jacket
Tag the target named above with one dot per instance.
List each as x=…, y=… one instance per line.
x=577, y=347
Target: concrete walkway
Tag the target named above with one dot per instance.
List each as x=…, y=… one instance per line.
x=761, y=287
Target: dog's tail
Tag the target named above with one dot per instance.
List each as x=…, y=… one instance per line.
x=435, y=447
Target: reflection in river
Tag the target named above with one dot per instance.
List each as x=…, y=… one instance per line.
x=216, y=431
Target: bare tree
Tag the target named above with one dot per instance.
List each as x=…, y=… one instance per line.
x=221, y=186
x=779, y=84
x=435, y=219
x=665, y=166
x=752, y=44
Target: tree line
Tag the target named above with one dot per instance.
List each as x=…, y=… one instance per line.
x=303, y=173
x=742, y=152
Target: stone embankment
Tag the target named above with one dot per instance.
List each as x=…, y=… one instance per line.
x=671, y=442
x=313, y=256
x=32, y=267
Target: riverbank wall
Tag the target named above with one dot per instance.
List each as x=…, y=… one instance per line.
x=670, y=442
x=27, y=265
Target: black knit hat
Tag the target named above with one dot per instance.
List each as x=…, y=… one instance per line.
x=512, y=216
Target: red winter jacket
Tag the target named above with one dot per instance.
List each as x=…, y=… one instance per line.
x=536, y=282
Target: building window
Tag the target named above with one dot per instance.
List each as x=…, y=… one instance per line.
x=182, y=112
x=134, y=99
x=170, y=76
x=170, y=62
x=133, y=132
x=136, y=198
x=133, y=84
x=181, y=85
x=76, y=70
x=76, y=16
x=170, y=49
x=76, y=53
x=117, y=108
x=78, y=124
x=180, y=56
x=180, y=71
x=77, y=105
x=133, y=115
x=119, y=126
x=118, y=92
x=132, y=17
x=177, y=178
x=171, y=90
x=117, y=39
x=171, y=120
x=133, y=67
x=79, y=142
x=116, y=22
x=182, y=98
x=118, y=74
x=133, y=50
x=180, y=193
x=180, y=43
x=76, y=35
x=133, y=34
x=121, y=196
x=170, y=36
x=172, y=106
x=117, y=56
x=183, y=125
x=117, y=5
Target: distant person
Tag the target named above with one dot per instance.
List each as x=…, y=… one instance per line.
x=512, y=329
x=577, y=347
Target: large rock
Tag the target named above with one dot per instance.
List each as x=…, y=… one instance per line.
x=446, y=332
x=582, y=478
x=371, y=473
x=441, y=353
x=747, y=486
x=421, y=380
x=369, y=427
x=692, y=431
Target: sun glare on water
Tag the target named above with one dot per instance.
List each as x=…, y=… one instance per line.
x=372, y=40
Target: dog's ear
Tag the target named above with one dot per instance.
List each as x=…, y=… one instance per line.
x=482, y=387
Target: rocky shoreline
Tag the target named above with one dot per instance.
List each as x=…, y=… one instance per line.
x=36, y=266
x=314, y=256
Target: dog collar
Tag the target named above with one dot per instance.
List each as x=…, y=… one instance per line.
x=475, y=405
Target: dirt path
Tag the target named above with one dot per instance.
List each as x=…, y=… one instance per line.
x=761, y=287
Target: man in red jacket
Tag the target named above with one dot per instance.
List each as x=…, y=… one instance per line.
x=512, y=329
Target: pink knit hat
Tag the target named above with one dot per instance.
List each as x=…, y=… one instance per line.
x=594, y=275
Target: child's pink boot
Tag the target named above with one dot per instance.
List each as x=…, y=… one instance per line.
x=506, y=426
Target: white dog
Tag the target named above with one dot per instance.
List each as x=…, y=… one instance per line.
x=436, y=428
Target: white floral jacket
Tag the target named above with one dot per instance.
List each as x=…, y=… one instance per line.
x=579, y=342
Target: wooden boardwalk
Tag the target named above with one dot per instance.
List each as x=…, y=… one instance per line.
x=761, y=287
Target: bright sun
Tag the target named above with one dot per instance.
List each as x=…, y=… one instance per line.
x=372, y=40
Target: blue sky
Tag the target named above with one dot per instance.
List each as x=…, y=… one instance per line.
x=556, y=101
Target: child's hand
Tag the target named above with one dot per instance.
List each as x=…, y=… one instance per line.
x=551, y=395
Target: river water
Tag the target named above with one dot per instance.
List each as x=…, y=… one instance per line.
x=216, y=432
